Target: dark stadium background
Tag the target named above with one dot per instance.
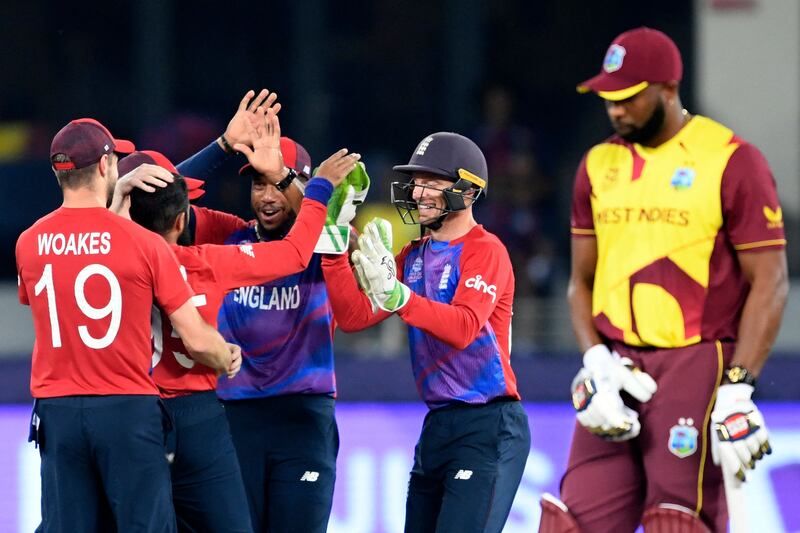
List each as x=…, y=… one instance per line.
x=375, y=77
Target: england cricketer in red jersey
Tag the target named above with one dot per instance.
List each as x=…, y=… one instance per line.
x=207, y=484
x=454, y=288
x=91, y=278
x=678, y=268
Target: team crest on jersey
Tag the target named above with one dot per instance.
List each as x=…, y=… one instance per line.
x=416, y=271
x=445, y=277
x=683, y=438
x=614, y=58
x=683, y=178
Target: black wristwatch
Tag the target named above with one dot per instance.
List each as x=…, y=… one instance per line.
x=739, y=374
x=285, y=182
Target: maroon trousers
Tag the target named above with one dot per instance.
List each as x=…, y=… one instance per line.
x=608, y=485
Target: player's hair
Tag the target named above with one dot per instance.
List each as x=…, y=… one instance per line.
x=157, y=211
x=75, y=178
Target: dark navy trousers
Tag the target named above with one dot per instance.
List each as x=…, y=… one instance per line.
x=103, y=464
x=287, y=448
x=207, y=487
x=467, y=466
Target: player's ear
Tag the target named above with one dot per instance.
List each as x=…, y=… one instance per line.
x=180, y=222
x=670, y=90
x=103, y=164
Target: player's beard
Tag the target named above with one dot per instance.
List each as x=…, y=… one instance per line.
x=110, y=192
x=650, y=129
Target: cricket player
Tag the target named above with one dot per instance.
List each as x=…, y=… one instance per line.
x=207, y=485
x=677, y=289
x=455, y=289
x=91, y=278
x=281, y=406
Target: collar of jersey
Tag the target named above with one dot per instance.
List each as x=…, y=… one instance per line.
x=441, y=245
x=684, y=136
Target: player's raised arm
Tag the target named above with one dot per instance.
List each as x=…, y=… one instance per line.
x=207, y=160
x=265, y=156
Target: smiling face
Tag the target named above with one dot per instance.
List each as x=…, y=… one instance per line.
x=428, y=194
x=269, y=204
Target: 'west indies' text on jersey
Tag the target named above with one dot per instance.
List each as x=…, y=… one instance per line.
x=670, y=222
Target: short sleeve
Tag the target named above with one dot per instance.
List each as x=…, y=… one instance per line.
x=581, y=219
x=753, y=215
x=170, y=288
x=22, y=290
x=213, y=227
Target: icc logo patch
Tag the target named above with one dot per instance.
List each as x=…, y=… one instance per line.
x=683, y=438
x=416, y=271
x=683, y=178
x=614, y=58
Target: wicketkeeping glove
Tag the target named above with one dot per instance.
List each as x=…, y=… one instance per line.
x=739, y=437
x=351, y=192
x=596, y=398
x=376, y=269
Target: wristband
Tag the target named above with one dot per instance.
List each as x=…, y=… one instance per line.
x=285, y=182
x=226, y=145
x=739, y=374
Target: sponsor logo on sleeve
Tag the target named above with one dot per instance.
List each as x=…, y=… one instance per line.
x=683, y=438
x=478, y=284
x=774, y=218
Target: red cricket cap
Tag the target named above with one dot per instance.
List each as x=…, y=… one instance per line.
x=635, y=59
x=151, y=157
x=294, y=156
x=84, y=141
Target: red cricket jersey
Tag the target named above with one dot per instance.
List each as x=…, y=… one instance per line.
x=91, y=278
x=214, y=270
x=459, y=315
x=213, y=227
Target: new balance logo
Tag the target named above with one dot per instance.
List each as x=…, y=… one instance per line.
x=463, y=474
x=247, y=249
x=311, y=477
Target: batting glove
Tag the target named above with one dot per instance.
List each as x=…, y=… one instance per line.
x=341, y=211
x=596, y=398
x=376, y=269
x=739, y=436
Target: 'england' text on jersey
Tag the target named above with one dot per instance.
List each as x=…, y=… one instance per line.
x=92, y=243
x=260, y=297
